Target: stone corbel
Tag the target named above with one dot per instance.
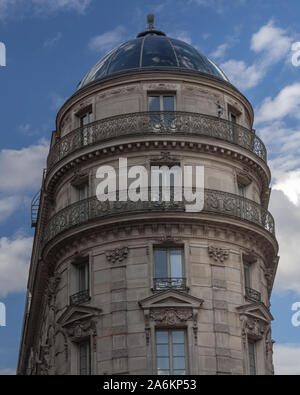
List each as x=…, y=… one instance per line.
x=243, y=178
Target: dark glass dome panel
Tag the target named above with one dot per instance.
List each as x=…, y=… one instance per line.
x=152, y=51
x=158, y=52
x=126, y=57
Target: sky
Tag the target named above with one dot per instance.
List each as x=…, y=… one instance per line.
x=52, y=44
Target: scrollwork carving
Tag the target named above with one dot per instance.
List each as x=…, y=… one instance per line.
x=117, y=255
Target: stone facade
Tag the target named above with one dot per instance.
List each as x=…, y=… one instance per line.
x=122, y=310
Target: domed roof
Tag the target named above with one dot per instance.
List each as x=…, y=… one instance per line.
x=152, y=49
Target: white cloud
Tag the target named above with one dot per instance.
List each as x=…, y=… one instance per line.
x=50, y=42
x=220, y=51
x=287, y=359
x=287, y=219
x=242, y=75
x=272, y=44
x=10, y=8
x=7, y=372
x=20, y=176
x=21, y=170
x=273, y=41
x=107, y=40
x=7, y=206
x=286, y=103
x=14, y=264
x=182, y=35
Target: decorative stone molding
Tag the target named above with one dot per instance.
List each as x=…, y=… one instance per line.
x=117, y=255
x=218, y=254
x=170, y=308
x=165, y=157
x=80, y=330
x=79, y=178
x=243, y=178
x=171, y=316
x=256, y=320
x=52, y=285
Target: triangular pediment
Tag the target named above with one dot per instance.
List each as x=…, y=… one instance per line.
x=76, y=313
x=256, y=310
x=171, y=298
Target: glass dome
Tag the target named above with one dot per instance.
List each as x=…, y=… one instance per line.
x=152, y=50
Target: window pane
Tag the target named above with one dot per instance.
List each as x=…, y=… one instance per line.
x=178, y=337
x=252, y=361
x=84, y=358
x=160, y=259
x=179, y=372
x=176, y=263
x=178, y=350
x=162, y=337
x=83, y=277
x=163, y=363
x=154, y=103
x=168, y=103
x=247, y=275
x=162, y=350
x=163, y=372
x=179, y=363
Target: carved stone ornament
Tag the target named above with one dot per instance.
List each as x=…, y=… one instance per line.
x=117, y=255
x=171, y=316
x=52, y=285
x=218, y=254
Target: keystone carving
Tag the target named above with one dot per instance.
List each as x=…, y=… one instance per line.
x=218, y=254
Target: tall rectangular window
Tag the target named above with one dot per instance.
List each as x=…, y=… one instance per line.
x=83, y=191
x=171, y=352
x=247, y=275
x=87, y=131
x=164, y=106
x=168, y=268
x=83, y=277
x=86, y=119
x=84, y=351
x=252, y=357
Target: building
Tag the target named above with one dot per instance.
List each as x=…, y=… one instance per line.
x=149, y=287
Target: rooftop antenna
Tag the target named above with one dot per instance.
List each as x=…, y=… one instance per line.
x=150, y=21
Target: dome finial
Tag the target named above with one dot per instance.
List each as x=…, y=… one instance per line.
x=150, y=21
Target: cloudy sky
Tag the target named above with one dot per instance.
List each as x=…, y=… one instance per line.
x=51, y=44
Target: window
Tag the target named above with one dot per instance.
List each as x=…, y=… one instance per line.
x=232, y=117
x=84, y=354
x=82, y=284
x=86, y=119
x=247, y=276
x=241, y=190
x=171, y=352
x=164, y=106
x=252, y=356
x=83, y=191
x=87, y=131
x=250, y=293
x=168, y=268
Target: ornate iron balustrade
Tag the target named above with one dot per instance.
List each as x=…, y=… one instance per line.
x=80, y=297
x=161, y=284
x=215, y=202
x=252, y=294
x=164, y=123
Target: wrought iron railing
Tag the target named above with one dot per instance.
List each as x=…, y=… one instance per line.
x=215, y=202
x=252, y=294
x=145, y=123
x=80, y=297
x=161, y=284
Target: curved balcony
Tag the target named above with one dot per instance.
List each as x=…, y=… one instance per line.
x=160, y=123
x=215, y=202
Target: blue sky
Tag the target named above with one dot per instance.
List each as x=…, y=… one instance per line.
x=51, y=45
